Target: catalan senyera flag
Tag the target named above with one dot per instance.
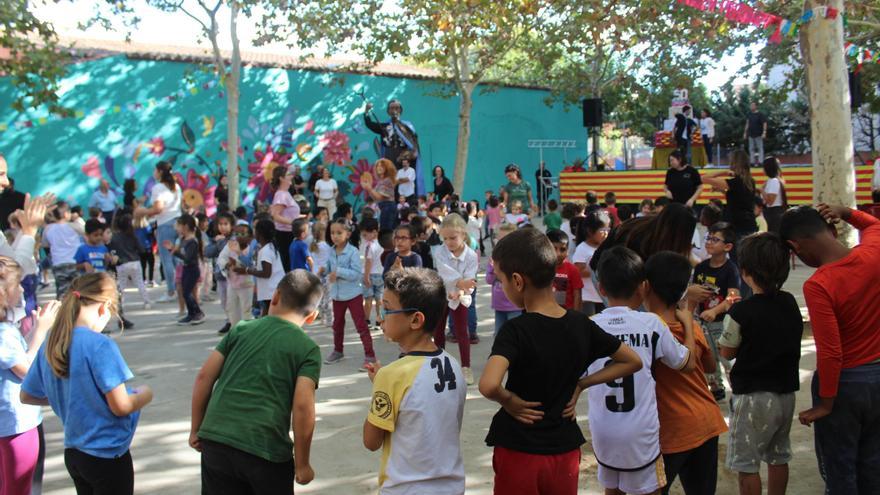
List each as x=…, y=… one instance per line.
x=635, y=185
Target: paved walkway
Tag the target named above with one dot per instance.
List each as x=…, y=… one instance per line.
x=167, y=357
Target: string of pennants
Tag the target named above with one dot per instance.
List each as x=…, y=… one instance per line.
x=744, y=13
x=113, y=109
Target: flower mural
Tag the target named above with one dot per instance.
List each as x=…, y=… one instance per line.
x=198, y=193
x=261, y=169
x=336, y=147
x=358, y=171
x=157, y=146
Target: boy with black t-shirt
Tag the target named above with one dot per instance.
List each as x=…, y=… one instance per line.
x=544, y=352
x=720, y=275
x=763, y=333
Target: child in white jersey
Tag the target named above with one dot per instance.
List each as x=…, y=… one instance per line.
x=418, y=400
x=321, y=250
x=623, y=413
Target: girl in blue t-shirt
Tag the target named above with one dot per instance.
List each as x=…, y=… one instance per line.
x=19, y=423
x=82, y=375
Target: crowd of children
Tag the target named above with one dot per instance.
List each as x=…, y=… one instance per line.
x=646, y=339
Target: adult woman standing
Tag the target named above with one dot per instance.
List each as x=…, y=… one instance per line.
x=517, y=189
x=165, y=209
x=683, y=183
x=442, y=186
x=773, y=194
x=284, y=211
x=382, y=191
x=738, y=187
x=326, y=191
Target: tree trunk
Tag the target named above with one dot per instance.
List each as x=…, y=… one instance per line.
x=465, y=103
x=831, y=118
x=232, y=93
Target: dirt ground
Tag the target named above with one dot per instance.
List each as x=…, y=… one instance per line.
x=167, y=357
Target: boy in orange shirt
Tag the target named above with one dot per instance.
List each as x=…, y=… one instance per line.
x=690, y=420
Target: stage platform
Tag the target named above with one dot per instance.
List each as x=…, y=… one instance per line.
x=635, y=185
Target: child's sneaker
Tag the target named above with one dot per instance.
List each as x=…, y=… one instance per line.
x=198, y=319
x=167, y=298
x=475, y=340
x=468, y=376
x=125, y=324
x=225, y=329
x=367, y=361
x=334, y=357
x=186, y=320
x=148, y=306
x=719, y=394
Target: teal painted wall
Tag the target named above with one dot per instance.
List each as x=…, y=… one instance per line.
x=123, y=104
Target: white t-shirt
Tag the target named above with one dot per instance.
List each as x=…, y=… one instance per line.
x=623, y=413
x=566, y=227
x=373, y=251
x=516, y=219
x=266, y=286
x=474, y=226
x=63, y=242
x=583, y=254
x=419, y=401
x=325, y=188
x=774, y=186
x=408, y=188
x=322, y=256
x=170, y=201
x=707, y=127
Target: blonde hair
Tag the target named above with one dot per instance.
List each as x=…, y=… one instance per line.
x=739, y=164
x=505, y=227
x=91, y=288
x=319, y=231
x=516, y=204
x=388, y=167
x=10, y=276
x=455, y=222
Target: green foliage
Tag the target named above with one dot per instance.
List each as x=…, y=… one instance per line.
x=36, y=62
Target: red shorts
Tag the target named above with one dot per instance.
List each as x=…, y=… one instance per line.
x=535, y=474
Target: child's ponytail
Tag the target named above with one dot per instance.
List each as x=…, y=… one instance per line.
x=87, y=289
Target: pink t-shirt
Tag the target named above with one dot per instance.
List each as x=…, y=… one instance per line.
x=493, y=216
x=291, y=209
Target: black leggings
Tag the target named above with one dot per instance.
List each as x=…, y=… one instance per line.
x=148, y=265
x=697, y=468
x=188, y=282
x=99, y=476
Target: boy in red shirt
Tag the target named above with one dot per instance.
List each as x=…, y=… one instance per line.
x=846, y=386
x=568, y=283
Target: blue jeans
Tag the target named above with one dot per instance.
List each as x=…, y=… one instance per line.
x=166, y=232
x=387, y=215
x=501, y=317
x=847, y=440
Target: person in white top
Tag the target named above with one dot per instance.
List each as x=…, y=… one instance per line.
x=164, y=209
x=591, y=233
x=707, y=129
x=326, y=191
x=623, y=413
x=268, y=271
x=406, y=179
x=418, y=400
x=371, y=253
x=773, y=194
x=63, y=241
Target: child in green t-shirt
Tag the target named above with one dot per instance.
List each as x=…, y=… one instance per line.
x=552, y=220
x=259, y=374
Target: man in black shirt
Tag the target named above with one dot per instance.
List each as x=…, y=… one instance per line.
x=756, y=131
x=10, y=200
x=543, y=185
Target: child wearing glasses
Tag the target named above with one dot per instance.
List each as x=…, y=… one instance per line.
x=403, y=256
x=720, y=276
x=418, y=400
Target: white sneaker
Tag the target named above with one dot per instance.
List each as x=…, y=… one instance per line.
x=166, y=298
x=468, y=376
x=148, y=306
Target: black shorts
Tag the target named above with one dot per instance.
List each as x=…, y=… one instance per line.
x=230, y=471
